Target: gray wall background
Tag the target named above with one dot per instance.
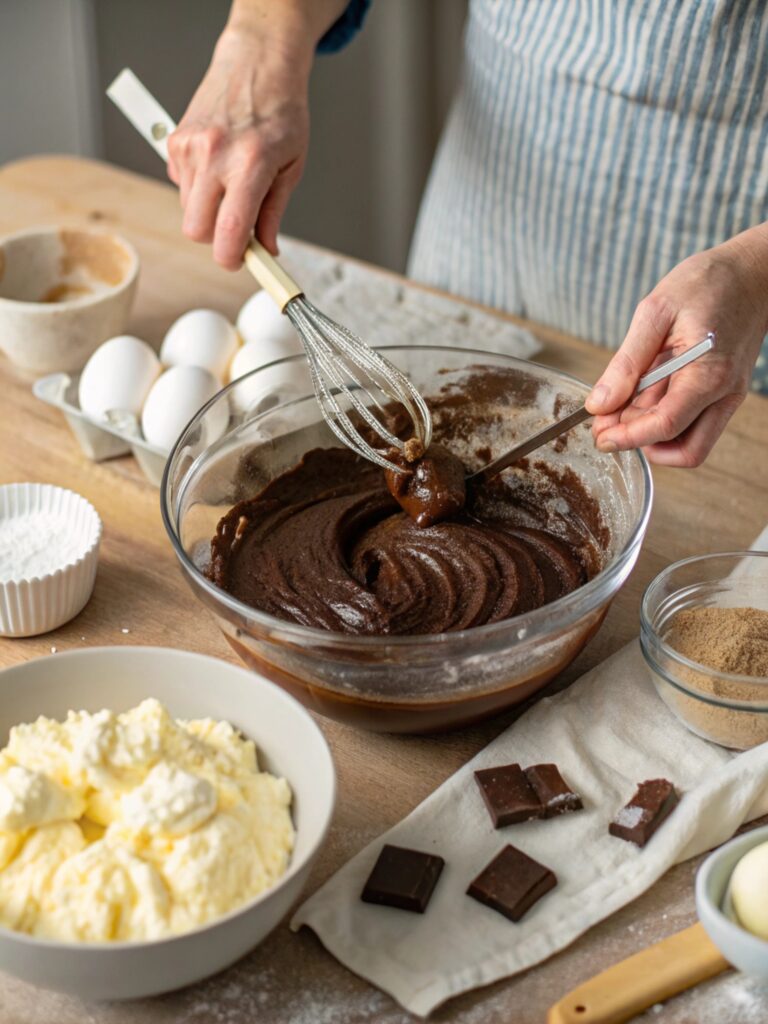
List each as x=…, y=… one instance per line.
x=377, y=107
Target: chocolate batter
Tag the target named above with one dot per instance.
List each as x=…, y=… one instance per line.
x=431, y=488
x=328, y=545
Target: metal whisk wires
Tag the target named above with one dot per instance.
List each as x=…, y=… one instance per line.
x=349, y=377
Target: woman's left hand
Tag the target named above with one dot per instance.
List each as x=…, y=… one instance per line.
x=677, y=421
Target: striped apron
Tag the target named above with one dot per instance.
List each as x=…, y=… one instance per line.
x=591, y=146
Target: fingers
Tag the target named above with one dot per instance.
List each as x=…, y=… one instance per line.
x=692, y=447
x=640, y=426
x=223, y=186
x=236, y=219
x=649, y=328
x=201, y=205
x=640, y=403
x=173, y=170
x=274, y=206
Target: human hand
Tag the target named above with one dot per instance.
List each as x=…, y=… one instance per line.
x=240, y=148
x=677, y=421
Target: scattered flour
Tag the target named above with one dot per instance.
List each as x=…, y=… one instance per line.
x=630, y=816
x=732, y=998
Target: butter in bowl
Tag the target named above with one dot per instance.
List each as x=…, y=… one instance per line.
x=159, y=815
x=704, y=636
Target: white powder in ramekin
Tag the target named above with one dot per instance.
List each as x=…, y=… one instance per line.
x=36, y=544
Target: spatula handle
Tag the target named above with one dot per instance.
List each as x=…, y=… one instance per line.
x=650, y=976
x=136, y=102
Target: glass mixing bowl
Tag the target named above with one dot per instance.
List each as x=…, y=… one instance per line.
x=399, y=683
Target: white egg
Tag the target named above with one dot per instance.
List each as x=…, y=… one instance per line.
x=174, y=399
x=272, y=385
x=118, y=376
x=201, y=337
x=261, y=321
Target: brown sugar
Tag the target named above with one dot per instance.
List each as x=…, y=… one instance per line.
x=731, y=712
x=726, y=639
x=413, y=449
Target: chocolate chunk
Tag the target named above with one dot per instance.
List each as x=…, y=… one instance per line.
x=508, y=795
x=403, y=878
x=512, y=883
x=554, y=793
x=654, y=800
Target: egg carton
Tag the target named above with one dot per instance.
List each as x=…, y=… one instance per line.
x=118, y=434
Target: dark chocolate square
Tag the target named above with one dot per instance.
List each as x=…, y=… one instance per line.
x=512, y=883
x=508, y=795
x=554, y=793
x=403, y=878
x=637, y=821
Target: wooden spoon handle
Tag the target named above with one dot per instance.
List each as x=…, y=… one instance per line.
x=650, y=976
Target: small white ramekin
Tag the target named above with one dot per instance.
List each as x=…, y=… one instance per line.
x=63, y=291
x=37, y=604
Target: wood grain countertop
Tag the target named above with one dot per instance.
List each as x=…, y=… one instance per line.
x=290, y=979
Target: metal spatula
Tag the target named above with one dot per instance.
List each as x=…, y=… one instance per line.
x=561, y=426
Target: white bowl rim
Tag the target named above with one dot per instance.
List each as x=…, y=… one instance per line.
x=647, y=627
x=294, y=866
x=81, y=301
x=97, y=529
x=326, y=637
x=749, y=839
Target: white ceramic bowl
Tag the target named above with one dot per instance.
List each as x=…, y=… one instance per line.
x=63, y=291
x=738, y=946
x=192, y=686
x=37, y=602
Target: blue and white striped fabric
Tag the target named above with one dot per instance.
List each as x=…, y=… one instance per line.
x=592, y=145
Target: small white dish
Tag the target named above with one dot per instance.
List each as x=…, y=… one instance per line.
x=739, y=947
x=45, y=589
x=63, y=291
x=288, y=743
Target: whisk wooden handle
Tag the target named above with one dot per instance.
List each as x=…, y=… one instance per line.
x=271, y=276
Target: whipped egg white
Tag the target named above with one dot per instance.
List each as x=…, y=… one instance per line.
x=134, y=826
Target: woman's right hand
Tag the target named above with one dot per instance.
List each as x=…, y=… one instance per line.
x=240, y=148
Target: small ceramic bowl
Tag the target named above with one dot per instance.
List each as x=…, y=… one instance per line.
x=722, y=707
x=738, y=946
x=49, y=550
x=288, y=743
x=62, y=293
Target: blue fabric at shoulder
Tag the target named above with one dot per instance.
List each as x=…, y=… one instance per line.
x=345, y=27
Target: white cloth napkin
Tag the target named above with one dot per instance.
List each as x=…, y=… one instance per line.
x=606, y=733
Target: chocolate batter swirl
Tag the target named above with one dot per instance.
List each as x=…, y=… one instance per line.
x=326, y=545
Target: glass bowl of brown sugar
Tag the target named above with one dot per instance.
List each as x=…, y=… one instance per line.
x=704, y=636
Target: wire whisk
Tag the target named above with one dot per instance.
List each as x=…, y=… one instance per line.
x=350, y=378
x=352, y=381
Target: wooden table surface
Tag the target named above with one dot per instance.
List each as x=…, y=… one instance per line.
x=290, y=978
